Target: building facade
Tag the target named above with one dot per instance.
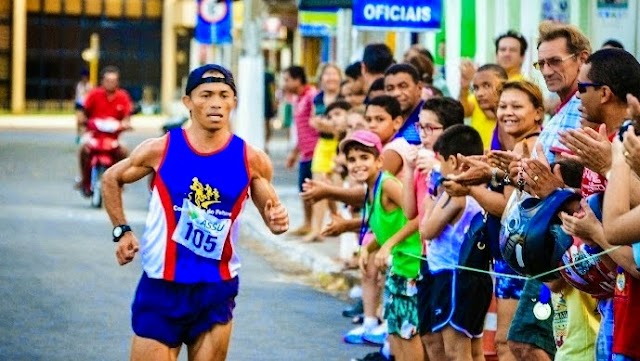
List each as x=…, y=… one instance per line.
x=43, y=42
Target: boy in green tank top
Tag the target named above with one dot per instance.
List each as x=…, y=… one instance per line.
x=396, y=237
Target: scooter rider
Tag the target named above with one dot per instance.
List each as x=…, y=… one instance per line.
x=106, y=101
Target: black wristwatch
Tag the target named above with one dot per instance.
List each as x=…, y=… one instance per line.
x=119, y=231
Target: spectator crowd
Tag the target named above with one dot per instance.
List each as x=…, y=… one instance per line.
x=498, y=200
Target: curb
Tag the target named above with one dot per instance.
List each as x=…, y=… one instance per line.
x=325, y=271
x=292, y=251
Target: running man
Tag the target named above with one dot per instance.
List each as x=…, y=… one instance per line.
x=187, y=291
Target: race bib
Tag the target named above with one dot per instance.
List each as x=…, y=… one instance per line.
x=202, y=233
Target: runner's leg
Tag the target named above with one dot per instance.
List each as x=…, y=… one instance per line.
x=212, y=345
x=143, y=349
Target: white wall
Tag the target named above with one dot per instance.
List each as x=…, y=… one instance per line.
x=625, y=29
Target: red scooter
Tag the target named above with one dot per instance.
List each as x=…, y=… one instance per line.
x=103, y=146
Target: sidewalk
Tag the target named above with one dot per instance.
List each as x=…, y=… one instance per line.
x=320, y=258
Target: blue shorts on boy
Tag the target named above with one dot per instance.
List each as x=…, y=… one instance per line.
x=454, y=298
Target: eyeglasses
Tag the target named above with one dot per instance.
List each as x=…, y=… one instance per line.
x=582, y=87
x=426, y=128
x=553, y=63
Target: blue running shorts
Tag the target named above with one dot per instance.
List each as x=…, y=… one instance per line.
x=176, y=313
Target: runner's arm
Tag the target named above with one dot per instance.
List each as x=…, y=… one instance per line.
x=263, y=194
x=142, y=161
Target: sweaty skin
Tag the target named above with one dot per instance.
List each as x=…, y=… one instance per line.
x=210, y=105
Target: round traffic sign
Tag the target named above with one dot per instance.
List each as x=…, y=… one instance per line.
x=213, y=11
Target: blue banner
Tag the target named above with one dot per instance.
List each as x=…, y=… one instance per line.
x=409, y=15
x=214, y=22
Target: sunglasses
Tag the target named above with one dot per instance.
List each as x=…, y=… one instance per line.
x=582, y=87
x=426, y=128
x=553, y=63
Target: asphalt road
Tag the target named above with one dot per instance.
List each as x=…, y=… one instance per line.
x=63, y=296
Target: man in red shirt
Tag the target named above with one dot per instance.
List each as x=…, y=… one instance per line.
x=105, y=101
x=295, y=82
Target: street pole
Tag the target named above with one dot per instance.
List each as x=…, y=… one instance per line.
x=92, y=56
x=249, y=121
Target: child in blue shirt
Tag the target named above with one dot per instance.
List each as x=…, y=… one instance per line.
x=457, y=301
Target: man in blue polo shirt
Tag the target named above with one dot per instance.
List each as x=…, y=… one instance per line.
x=402, y=81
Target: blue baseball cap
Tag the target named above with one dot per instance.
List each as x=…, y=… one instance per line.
x=195, y=77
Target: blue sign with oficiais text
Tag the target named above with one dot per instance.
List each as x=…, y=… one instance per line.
x=410, y=15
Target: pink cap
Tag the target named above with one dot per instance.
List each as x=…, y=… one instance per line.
x=364, y=137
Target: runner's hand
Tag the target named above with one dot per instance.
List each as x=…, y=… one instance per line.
x=276, y=216
x=127, y=248
x=590, y=148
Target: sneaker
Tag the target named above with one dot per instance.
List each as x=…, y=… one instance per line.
x=354, y=336
x=355, y=292
x=377, y=335
x=356, y=310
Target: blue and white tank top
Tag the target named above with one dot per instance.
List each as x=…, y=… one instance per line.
x=192, y=227
x=443, y=251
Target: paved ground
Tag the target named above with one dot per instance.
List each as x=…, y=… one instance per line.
x=319, y=257
x=55, y=301
x=64, y=298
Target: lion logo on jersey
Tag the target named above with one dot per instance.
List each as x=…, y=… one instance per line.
x=203, y=195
